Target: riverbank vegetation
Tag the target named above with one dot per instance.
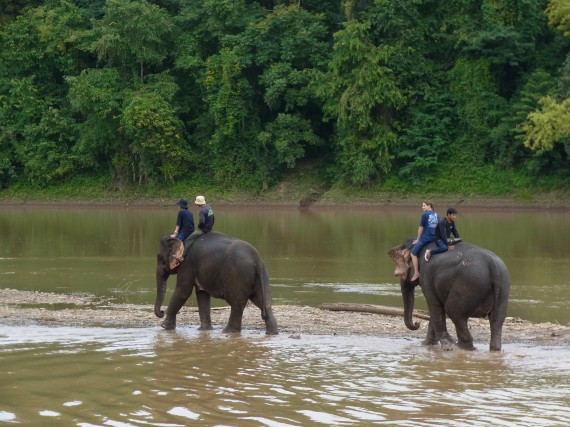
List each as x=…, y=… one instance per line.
x=161, y=98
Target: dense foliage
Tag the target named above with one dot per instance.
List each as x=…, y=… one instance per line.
x=459, y=95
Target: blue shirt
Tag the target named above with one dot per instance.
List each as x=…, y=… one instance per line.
x=185, y=222
x=429, y=222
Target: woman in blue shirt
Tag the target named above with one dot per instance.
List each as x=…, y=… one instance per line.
x=426, y=234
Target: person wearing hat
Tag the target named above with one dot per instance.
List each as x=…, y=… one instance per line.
x=205, y=223
x=184, y=221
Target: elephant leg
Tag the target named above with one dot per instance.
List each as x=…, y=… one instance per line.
x=464, y=337
x=236, y=314
x=179, y=298
x=269, y=318
x=203, y=299
x=270, y=322
x=439, y=324
x=496, y=324
x=431, y=339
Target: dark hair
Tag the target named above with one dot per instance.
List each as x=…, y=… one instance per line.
x=451, y=211
x=430, y=204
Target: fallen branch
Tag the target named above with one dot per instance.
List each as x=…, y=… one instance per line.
x=372, y=308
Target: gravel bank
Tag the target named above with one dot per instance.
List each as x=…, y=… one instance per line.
x=29, y=307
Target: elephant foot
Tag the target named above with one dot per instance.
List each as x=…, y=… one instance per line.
x=271, y=326
x=448, y=346
x=168, y=325
x=230, y=330
x=430, y=339
x=466, y=346
x=272, y=332
x=495, y=344
x=206, y=328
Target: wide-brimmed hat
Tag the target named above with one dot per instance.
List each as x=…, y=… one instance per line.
x=183, y=203
x=200, y=200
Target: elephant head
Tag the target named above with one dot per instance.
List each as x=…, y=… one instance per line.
x=402, y=256
x=168, y=258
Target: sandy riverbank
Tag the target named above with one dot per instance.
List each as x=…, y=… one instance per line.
x=29, y=307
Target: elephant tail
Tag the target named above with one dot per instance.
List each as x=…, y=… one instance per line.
x=501, y=283
x=263, y=284
x=501, y=286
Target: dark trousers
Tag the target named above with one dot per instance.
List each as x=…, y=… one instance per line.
x=441, y=247
x=190, y=240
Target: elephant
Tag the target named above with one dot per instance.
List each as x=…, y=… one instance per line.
x=218, y=266
x=469, y=281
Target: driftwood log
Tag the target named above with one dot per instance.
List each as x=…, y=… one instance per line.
x=372, y=308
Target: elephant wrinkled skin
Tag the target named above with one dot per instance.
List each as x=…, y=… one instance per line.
x=469, y=281
x=216, y=266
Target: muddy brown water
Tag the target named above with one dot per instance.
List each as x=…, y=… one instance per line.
x=146, y=376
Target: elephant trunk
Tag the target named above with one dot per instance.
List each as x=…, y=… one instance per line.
x=161, y=278
x=408, y=296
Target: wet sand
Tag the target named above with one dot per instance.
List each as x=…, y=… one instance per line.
x=29, y=307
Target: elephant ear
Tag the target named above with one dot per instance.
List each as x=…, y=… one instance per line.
x=401, y=255
x=176, y=254
x=171, y=251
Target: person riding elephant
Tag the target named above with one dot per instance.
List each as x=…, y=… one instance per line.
x=184, y=221
x=469, y=282
x=218, y=266
x=445, y=228
x=426, y=232
x=206, y=221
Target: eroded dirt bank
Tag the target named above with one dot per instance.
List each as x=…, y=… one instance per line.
x=555, y=200
x=30, y=307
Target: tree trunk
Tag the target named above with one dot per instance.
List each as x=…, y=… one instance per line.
x=372, y=308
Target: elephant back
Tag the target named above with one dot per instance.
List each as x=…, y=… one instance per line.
x=219, y=247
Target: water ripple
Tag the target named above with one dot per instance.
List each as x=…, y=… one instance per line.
x=145, y=377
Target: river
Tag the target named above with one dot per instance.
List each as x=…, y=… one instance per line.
x=147, y=376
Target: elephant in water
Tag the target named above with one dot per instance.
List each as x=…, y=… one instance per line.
x=216, y=266
x=469, y=281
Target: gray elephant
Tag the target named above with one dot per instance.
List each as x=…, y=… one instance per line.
x=469, y=281
x=217, y=266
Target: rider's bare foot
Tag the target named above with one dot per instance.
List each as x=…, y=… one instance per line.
x=415, y=277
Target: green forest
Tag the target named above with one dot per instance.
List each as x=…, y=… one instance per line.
x=464, y=96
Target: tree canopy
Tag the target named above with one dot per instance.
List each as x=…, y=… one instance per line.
x=380, y=92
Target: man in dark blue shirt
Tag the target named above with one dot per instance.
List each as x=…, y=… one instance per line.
x=184, y=221
x=445, y=228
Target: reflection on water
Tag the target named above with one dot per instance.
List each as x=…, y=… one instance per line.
x=142, y=377
x=325, y=255
x=149, y=377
